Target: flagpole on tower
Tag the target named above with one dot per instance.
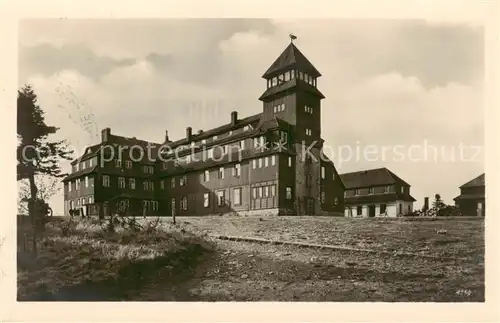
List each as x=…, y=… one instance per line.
x=292, y=37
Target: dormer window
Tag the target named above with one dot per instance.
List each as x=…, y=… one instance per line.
x=292, y=74
x=287, y=76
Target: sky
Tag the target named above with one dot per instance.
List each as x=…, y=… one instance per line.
x=390, y=85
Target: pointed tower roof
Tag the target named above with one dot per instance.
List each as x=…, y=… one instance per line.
x=291, y=57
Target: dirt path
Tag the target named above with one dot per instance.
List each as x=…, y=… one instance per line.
x=238, y=271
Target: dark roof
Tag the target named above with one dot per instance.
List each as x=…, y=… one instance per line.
x=80, y=173
x=372, y=177
x=89, y=152
x=476, y=196
x=290, y=85
x=378, y=198
x=216, y=131
x=291, y=57
x=478, y=181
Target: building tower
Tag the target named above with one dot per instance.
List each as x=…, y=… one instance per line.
x=292, y=95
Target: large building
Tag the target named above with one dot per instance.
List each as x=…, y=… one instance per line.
x=267, y=163
x=471, y=200
x=376, y=192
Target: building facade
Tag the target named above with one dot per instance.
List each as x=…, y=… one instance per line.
x=375, y=193
x=471, y=200
x=114, y=176
x=268, y=163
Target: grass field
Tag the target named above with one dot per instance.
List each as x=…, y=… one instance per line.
x=165, y=266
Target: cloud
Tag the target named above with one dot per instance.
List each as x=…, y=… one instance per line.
x=48, y=59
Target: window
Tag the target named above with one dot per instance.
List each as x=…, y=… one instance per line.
x=69, y=186
x=323, y=172
x=370, y=190
x=242, y=144
x=151, y=170
x=273, y=160
x=288, y=193
x=273, y=190
x=308, y=109
x=152, y=185
x=333, y=175
x=356, y=192
x=221, y=173
x=259, y=191
x=323, y=197
x=86, y=181
x=203, y=141
x=215, y=138
x=77, y=167
x=335, y=201
x=383, y=208
x=237, y=170
x=254, y=192
x=292, y=74
x=289, y=161
x=172, y=182
x=145, y=185
x=224, y=149
x=237, y=196
x=173, y=206
x=210, y=153
x=162, y=184
x=266, y=161
x=388, y=188
x=155, y=205
x=260, y=162
x=308, y=132
x=128, y=164
x=145, y=169
x=183, y=180
x=254, y=163
x=188, y=159
x=359, y=210
x=105, y=180
x=184, y=203
x=400, y=208
x=118, y=163
x=91, y=199
x=131, y=183
x=90, y=162
x=220, y=198
x=287, y=76
x=206, y=176
x=245, y=128
x=121, y=182
x=266, y=191
x=206, y=200
x=402, y=189
x=77, y=184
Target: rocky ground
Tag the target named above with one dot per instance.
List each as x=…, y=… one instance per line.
x=242, y=271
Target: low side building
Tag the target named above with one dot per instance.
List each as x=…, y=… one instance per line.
x=471, y=200
x=376, y=192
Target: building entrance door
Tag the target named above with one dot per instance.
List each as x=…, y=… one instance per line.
x=371, y=211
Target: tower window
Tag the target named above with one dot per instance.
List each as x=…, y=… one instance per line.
x=274, y=81
x=308, y=132
x=308, y=109
x=287, y=76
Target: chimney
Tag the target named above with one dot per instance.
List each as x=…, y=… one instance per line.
x=426, y=203
x=189, y=132
x=234, y=117
x=105, y=134
x=166, y=136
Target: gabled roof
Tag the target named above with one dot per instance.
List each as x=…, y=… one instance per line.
x=372, y=177
x=291, y=57
x=478, y=181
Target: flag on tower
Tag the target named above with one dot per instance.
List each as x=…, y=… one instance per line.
x=293, y=37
